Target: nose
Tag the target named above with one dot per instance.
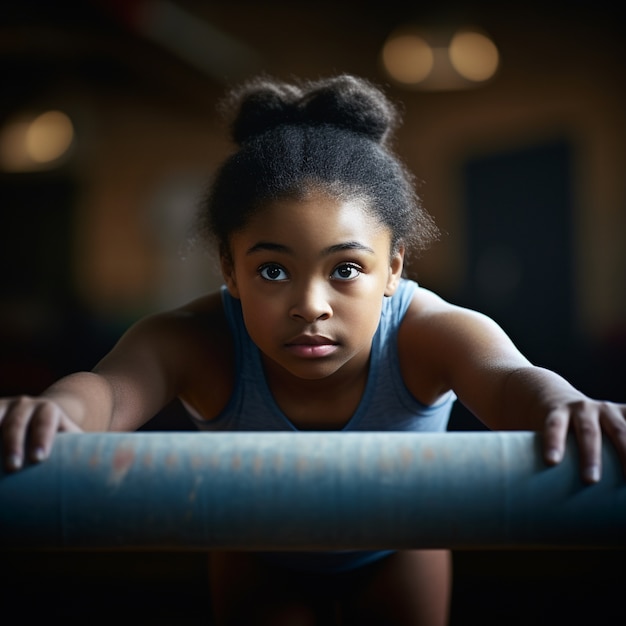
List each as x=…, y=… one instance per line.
x=311, y=302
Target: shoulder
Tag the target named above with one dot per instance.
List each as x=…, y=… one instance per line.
x=438, y=327
x=178, y=341
x=439, y=342
x=200, y=319
x=428, y=311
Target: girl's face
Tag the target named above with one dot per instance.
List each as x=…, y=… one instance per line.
x=311, y=275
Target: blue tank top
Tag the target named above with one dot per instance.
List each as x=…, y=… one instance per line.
x=386, y=405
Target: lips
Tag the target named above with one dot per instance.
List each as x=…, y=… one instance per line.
x=311, y=340
x=311, y=346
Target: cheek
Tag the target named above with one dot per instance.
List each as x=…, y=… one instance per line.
x=260, y=314
x=362, y=318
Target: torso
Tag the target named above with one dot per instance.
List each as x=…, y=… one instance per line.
x=210, y=371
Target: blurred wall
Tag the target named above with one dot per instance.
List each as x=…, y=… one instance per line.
x=147, y=140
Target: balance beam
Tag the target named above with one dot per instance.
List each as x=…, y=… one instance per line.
x=309, y=491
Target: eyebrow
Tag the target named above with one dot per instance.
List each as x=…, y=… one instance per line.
x=279, y=247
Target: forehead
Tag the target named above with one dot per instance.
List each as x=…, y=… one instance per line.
x=316, y=213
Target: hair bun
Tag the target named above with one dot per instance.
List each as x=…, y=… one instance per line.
x=343, y=101
x=262, y=104
x=351, y=103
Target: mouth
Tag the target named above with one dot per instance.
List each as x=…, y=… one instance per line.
x=311, y=340
x=311, y=346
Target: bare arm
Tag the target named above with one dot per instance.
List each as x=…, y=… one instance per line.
x=78, y=402
x=143, y=372
x=469, y=353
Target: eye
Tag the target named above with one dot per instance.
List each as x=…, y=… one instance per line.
x=346, y=271
x=272, y=272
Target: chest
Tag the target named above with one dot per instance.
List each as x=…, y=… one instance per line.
x=319, y=410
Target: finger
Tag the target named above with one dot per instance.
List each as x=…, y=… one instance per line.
x=5, y=452
x=589, y=437
x=13, y=430
x=555, y=429
x=42, y=429
x=613, y=421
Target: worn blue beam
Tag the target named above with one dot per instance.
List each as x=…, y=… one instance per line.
x=199, y=491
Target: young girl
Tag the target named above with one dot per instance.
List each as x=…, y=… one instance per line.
x=317, y=329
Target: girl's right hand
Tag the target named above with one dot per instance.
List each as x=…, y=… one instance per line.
x=28, y=426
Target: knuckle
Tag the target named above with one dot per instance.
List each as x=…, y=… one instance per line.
x=46, y=410
x=608, y=408
x=584, y=406
x=614, y=422
x=20, y=402
x=587, y=428
x=620, y=425
x=555, y=422
x=19, y=412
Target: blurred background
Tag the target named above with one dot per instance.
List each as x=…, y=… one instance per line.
x=513, y=124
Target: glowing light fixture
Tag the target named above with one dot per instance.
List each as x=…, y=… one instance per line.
x=438, y=61
x=408, y=58
x=29, y=143
x=473, y=55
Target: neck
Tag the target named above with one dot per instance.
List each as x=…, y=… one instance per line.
x=326, y=404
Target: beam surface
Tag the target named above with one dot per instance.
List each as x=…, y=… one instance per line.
x=309, y=491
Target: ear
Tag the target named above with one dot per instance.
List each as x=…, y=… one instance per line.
x=396, y=264
x=228, y=273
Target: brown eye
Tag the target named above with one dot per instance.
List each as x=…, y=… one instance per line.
x=346, y=271
x=272, y=272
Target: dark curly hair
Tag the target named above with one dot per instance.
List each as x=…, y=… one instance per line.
x=331, y=134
